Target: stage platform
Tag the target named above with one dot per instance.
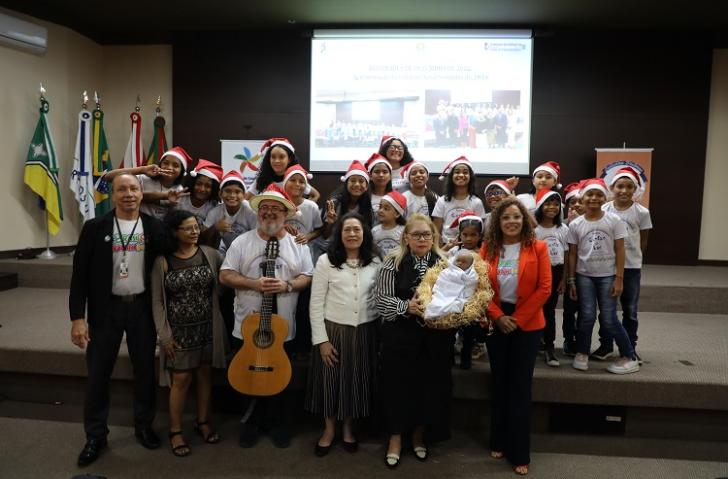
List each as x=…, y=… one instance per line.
x=680, y=393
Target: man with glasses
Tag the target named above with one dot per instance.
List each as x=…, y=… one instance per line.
x=111, y=269
x=243, y=270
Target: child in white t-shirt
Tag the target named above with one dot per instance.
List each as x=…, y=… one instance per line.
x=459, y=196
x=388, y=233
x=625, y=186
x=420, y=199
x=573, y=209
x=545, y=177
x=596, y=272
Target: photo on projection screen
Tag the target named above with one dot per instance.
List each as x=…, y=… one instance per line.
x=444, y=96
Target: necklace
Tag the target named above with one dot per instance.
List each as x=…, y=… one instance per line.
x=353, y=263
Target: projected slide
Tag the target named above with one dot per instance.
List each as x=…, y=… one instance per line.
x=445, y=97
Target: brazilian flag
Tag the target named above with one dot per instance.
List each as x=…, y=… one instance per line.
x=41, y=171
x=101, y=162
x=159, y=142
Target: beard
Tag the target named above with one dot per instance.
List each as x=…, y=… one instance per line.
x=270, y=227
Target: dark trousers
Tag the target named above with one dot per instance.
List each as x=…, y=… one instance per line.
x=272, y=411
x=302, y=340
x=512, y=359
x=570, y=319
x=135, y=320
x=549, y=307
x=629, y=300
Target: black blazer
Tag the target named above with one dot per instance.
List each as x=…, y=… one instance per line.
x=93, y=265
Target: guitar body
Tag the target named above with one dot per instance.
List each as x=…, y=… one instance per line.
x=261, y=367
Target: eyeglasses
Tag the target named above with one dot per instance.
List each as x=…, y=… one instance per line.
x=271, y=208
x=427, y=235
x=494, y=192
x=190, y=229
x=395, y=148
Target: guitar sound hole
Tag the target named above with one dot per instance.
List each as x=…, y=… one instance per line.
x=263, y=339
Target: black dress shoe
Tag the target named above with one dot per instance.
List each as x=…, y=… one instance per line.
x=148, y=438
x=321, y=451
x=351, y=447
x=91, y=451
x=248, y=435
x=281, y=437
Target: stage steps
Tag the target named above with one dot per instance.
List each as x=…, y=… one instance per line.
x=8, y=281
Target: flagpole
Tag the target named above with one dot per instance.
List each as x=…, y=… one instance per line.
x=47, y=254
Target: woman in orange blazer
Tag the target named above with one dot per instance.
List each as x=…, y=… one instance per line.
x=520, y=274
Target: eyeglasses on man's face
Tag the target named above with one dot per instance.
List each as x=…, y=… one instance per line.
x=271, y=209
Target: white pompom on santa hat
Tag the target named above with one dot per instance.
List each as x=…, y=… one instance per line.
x=230, y=177
x=397, y=200
x=376, y=159
x=356, y=168
x=552, y=168
x=296, y=170
x=544, y=195
x=207, y=168
x=180, y=154
x=407, y=169
x=461, y=160
x=275, y=193
x=593, y=184
x=466, y=215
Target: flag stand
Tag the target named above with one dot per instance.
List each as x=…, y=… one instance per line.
x=47, y=254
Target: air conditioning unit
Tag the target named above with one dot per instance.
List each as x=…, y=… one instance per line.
x=23, y=35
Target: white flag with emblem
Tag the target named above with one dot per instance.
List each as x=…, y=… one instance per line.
x=82, y=181
x=134, y=156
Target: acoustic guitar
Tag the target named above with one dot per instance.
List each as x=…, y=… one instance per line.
x=262, y=367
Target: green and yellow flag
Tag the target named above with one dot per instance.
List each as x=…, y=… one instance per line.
x=159, y=142
x=101, y=161
x=41, y=171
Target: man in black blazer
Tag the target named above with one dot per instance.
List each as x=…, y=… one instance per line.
x=111, y=269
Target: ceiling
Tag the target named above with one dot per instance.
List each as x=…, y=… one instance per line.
x=137, y=21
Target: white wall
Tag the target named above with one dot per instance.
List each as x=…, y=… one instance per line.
x=71, y=64
x=714, y=226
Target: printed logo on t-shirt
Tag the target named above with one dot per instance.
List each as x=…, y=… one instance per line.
x=136, y=242
x=556, y=249
x=507, y=268
x=300, y=227
x=597, y=240
x=387, y=245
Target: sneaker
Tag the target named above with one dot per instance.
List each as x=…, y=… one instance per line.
x=551, y=359
x=569, y=348
x=638, y=358
x=581, y=362
x=602, y=353
x=624, y=366
x=478, y=351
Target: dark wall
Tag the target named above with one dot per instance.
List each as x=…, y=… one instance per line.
x=590, y=89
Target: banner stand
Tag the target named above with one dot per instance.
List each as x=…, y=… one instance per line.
x=47, y=254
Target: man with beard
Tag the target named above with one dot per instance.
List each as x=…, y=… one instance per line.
x=243, y=270
x=111, y=269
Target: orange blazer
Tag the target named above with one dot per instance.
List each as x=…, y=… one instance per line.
x=534, y=286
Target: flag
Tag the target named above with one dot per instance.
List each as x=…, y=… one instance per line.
x=159, y=142
x=82, y=181
x=134, y=156
x=101, y=163
x=41, y=171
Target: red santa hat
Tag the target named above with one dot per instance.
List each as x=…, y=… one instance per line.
x=275, y=193
x=296, y=170
x=397, y=200
x=387, y=138
x=552, y=168
x=593, y=184
x=461, y=160
x=356, y=168
x=502, y=184
x=208, y=169
x=180, y=154
x=271, y=142
x=407, y=169
x=466, y=215
x=571, y=190
x=627, y=172
x=376, y=159
x=542, y=196
x=230, y=177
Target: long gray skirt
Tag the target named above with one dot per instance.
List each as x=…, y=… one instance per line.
x=346, y=389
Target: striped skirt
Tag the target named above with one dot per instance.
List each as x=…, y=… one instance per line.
x=347, y=388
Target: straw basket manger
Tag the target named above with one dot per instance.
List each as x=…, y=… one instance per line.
x=473, y=311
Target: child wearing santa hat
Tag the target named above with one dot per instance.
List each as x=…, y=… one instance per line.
x=625, y=186
x=544, y=177
x=381, y=181
x=459, y=196
x=392, y=212
x=203, y=182
x=596, y=274
x=278, y=155
x=569, y=319
x=232, y=217
x=353, y=195
x=420, y=199
x=306, y=225
x=395, y=150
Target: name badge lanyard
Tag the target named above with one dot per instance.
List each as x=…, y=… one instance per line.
x=124, y=266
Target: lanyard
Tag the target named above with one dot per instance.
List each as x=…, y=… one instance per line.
x=121, y=236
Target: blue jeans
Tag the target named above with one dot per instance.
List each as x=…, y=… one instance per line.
x=630, y=302
x=593, y=291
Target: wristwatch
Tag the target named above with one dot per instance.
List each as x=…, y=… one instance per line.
x=289, y=286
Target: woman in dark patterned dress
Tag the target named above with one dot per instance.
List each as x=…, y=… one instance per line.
x=191, y=331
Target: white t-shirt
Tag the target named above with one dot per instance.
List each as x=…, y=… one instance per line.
x=245, y=256
x=529, y=201
x=133, y=283
x=416, y=204
x=636, y=219
x=152, y=185
x=508, y=273
x=556, y=239
x=450, y=210
x=185, y=203
x=387, y=240
x=376, y=201
x=242, y=221
x=595, y=240
x=398, y=183
x=307, y=219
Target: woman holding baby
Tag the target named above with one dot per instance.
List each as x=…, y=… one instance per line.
x=519, y=270
x=416, y=378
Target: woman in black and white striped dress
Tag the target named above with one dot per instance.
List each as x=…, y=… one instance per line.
x=343, y=331
x=416, y=376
